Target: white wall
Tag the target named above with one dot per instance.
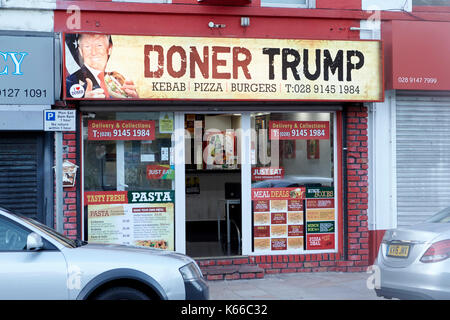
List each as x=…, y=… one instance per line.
x=27, y=15
x=382, y=212
x=382, y=164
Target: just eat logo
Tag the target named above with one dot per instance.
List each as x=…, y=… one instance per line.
x=12, y=60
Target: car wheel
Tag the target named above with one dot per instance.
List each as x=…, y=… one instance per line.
x=122, y=293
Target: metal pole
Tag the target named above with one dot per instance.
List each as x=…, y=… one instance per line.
x=59, y=182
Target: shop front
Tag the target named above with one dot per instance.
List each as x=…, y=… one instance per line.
x=410, y=129
x=27, y=86
x=227, y=149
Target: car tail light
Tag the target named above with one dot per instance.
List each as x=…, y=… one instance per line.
x=437, y=252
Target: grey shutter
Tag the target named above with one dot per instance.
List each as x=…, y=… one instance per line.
x=423, y=155
x=21, y=157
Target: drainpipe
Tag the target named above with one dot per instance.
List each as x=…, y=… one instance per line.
x=345, y=183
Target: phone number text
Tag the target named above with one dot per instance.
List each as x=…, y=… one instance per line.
x=417, y=80
x=28, y=93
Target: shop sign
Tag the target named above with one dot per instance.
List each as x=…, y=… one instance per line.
x=26, y=70
x=320, y=192
x=261, y=231
x=205, y=68
x=160, y=172
x=319, y=214
x=295, y=230
x=151, y=196
x=320, y=203
x=105, y=197
x=295, y=205
x=261, y=205
x=320, y=227
x=278, y=193
x=410, y=68
x=267, y=173
x=299, y=130
x=278, y=218
x=121, y=130
x=165, y=122
x=140, y=218
x=320, y=241
x=279, y=244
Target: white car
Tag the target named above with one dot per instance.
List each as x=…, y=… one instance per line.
x=414, y=261
x=37, y=263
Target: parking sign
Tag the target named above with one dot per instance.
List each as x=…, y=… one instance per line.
x=59, y=120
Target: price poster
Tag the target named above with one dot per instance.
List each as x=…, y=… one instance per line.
x=136, y=218
x=320, y=218
x=278, y=219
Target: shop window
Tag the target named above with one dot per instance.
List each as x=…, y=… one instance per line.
x=148, y=1
x=293, y=183
x=129, y=178
x=444, y=3
x=288, y=3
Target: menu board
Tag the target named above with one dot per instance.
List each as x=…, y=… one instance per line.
x=287, y=219
x=320, y=218
x=278, y=219
x=137, y=218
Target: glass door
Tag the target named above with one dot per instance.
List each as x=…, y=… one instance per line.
x=213, y=185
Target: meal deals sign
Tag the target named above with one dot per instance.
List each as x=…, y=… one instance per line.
x=140, y=218
x=278, y=219
x=293, y=219
x=245, y=69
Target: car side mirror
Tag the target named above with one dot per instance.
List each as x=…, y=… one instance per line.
x=34, y=242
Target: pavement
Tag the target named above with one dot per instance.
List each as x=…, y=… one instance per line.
x=296, y=286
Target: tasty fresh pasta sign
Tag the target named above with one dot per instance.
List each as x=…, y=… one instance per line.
x=152, y=67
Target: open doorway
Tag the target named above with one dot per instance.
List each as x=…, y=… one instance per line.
x=213, y=185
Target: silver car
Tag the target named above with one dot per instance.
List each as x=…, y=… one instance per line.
x=413, y=261
x=38, y=263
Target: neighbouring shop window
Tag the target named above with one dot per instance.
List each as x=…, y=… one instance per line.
x=444, y=3
x=287, y=3
x=293, y=187
x=129, y=178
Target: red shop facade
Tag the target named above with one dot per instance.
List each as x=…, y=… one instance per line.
x=222, y=132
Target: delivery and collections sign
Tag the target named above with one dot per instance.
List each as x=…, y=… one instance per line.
x=154, y=67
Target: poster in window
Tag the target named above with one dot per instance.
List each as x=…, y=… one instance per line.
x=278, y=219
x=139, y=218
x=313, y=149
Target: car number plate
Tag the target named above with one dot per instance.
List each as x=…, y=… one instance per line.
x=398, y=251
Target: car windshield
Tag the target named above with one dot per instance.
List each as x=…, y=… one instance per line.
x=440, y=217
x=50, y=232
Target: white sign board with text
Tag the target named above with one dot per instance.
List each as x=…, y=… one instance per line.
x=59, y=120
